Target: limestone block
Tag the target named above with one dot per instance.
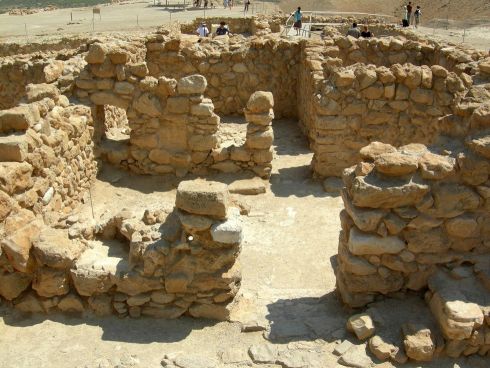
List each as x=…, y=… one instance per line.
x=451, y=200
x=368, y=244
x=101, y=305
x=264, y=119
x=13, y=284
x=132, y=283
x=366, y=220
x=396, y=164
x=429, y=241
x=160, y=156
x=374, y=192
x=178, y=105
x=192, y=85
x=260, y=140
x=203, y=109
x=148, y=104
x=240, y=154
x=13, y=148
x=439, y=71
x=210, y=311
x=36, y=92
x=96, y=54
x=118, y=56
x=86, y=83
x=227, y=166
x=366, y=77
x=17, y=246
x=49, y=282
x=71, y=303
x=344, y=78
x=123, y=88
x=361, y=325
x=247, y=186
x=193, y=223
x=462, y=227
x=481, y=145
x=436, y=167
x=374, y=149
x=54, y=249
x=148, y=141
x=229, y=231
x=108, y=98
x=6, y=205
x=260, y=102
x=203, y=198
x=384, y=350
x=53, y=70
x=203, y=142
x=418, y=341
x=373, y=92
x=139, y=69
x=422, y=96
x=164, y=311
x=177, y=282
x=18, y=118
x=28, y=303
x=263, y=156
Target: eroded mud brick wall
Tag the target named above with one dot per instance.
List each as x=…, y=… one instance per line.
x=165, y=264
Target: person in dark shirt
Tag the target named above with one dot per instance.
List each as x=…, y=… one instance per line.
x=409, y=12
x=366, y=33
x=222, y=30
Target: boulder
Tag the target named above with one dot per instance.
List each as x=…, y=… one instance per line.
x=260, y=140
x=96, y=54
x=203, y=198
x=148, y=104
x=6, y=205
x=230, y=230
x=71, y=303
x=53, y=70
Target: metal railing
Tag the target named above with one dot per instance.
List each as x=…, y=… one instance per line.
x=311, y=15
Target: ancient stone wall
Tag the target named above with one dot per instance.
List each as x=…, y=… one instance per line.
x=16, y=73
x=173, y=128
x=46, y=153
x=170, y=262
x=400, y=105
x=234, y=67
x=417, y=217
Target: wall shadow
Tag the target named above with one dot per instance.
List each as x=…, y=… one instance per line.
x=307, y=319
x=143, y=330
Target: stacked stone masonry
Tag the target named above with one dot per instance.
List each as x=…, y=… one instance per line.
x=417, y=218
x=170, y=262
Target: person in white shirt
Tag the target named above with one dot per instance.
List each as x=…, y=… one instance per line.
x=202, y=31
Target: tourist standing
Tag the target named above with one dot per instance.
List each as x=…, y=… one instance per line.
x=404, y=17
x=298, y=16
x=202, y=31
x=417, y=14
x=247, y=4
x=222, y=30
x=409, y=13
x=354, y=31
x=366, y=33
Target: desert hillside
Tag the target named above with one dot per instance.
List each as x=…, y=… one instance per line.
x=458, y=10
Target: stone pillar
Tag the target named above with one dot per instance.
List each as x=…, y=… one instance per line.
x=259, y=115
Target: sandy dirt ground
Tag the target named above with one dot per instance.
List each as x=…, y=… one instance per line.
x=290, y=243
x=124, y=17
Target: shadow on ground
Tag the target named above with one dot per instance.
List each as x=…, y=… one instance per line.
x=139, y=331
x=306, y=318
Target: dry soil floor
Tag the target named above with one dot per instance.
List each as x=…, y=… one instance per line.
x=290, y=241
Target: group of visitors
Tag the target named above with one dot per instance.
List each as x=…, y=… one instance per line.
x=203, y=30
x=410, y=17
x=356, y=33
x=204, y=4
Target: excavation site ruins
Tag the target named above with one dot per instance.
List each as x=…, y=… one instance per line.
x=258, y=199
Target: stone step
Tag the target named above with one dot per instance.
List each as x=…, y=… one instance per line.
x=13, y=148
